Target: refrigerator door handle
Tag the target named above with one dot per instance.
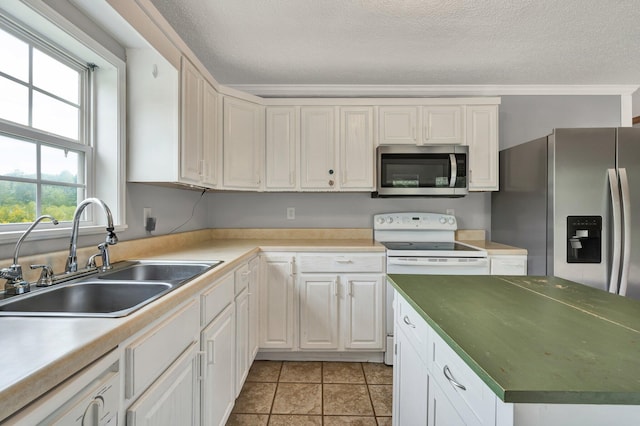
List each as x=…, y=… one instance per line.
x=617, y=231
x=626, y=216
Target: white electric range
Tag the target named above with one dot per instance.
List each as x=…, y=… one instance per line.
x=423, y=244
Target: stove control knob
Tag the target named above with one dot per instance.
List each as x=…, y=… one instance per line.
x=389, y=220
x=443, y=220
x=380, y=220
x=452, y=220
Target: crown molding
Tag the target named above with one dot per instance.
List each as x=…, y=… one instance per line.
x=407, y=91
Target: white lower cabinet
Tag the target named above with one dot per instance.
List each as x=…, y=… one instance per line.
x=410, y=384
x=277, y=301
x=363, y=316
x=318, y=312
x=174, y=398
x=218, y=386
x=442, y=412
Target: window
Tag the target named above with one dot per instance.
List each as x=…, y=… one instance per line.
x=62, y=97
x=44, y=117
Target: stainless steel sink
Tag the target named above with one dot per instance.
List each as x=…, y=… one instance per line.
x=117, y=293
x=86, y=298
x=166, y=271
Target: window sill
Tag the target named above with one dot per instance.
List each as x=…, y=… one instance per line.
x=12, y=237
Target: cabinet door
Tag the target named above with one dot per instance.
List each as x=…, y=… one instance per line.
x=363, y=312
x=357, y=151
x=317, y=148
x=276, y=302
x=174, y=398
x=482, y=138
x=319, y=311
x=210, y=120
x=242, y=340
x=254, y=276
x=243, y=137
x=191, y=123
x=442, y=125
x=218, y=384
x=410, y=384
x=441, y=411
x=281, y=148
x=398, y=125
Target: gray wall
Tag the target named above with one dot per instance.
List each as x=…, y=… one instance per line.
x=523, y=118
x=340, y=210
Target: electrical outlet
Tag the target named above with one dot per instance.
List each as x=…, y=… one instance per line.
x=146, y=212
x=452, y=212
x=291, y=213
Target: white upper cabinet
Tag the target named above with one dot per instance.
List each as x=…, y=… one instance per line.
x=243, y=140
x=482, y=138
x=398, y=125
x=173, y=122
x=357, y=149
x=199, y=126
x=318, y=148
x=442, y=125
x=282, y=147
x=421, y=125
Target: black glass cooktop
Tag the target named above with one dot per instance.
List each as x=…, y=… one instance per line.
x=428, y=246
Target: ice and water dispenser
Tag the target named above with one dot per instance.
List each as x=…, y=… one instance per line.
x=584, y=239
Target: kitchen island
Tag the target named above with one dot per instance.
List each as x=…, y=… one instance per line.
x=549, y=349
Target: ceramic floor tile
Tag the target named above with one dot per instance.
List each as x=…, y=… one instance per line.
x=248, y=420
x=301, y=372
x=384, y=421
x=349, y=420
x=255, y=398
x=381, y=398
x=298, y=398
x=294, y=420
x=346, y=399
x=342, y=372
x=378, y=373
x=264, y=371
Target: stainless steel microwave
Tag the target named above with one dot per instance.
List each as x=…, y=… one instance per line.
x=413, y=171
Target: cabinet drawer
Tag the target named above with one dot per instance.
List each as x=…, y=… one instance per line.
x=414, y=327
x=151, y=354
x=476, y=403
x=342, y=262
x=242, y=278
x=214, y=300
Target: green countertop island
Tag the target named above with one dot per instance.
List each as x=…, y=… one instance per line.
x=535, y=339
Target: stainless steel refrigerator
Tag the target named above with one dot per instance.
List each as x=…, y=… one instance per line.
x=572, y=199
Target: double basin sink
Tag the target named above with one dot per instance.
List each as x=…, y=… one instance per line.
x=116, y=293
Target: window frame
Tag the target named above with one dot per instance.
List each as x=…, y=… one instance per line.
x=106, y=131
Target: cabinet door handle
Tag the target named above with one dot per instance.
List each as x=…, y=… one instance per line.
x=350, y=288
x=211, y=352
x=335, y=286
x=449, y=376
x=408, y=322
x=343, y=260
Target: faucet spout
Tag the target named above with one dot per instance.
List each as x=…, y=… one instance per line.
x=15, y=283
x=112, y=238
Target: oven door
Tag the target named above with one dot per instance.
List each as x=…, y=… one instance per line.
x=409, y=170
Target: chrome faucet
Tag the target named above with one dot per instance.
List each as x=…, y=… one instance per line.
x=112, y=238
x=15, y=283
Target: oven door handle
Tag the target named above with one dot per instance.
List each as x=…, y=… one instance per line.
x=454, y=171
x=415, y=261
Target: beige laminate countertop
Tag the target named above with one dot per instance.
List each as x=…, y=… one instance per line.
x=39, y=353
x=495, y=248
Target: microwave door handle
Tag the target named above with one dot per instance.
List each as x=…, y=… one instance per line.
x=454, y=171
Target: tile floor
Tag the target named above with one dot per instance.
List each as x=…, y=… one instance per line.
x=315, y=393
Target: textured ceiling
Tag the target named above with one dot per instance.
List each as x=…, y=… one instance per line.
x=426, y=42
